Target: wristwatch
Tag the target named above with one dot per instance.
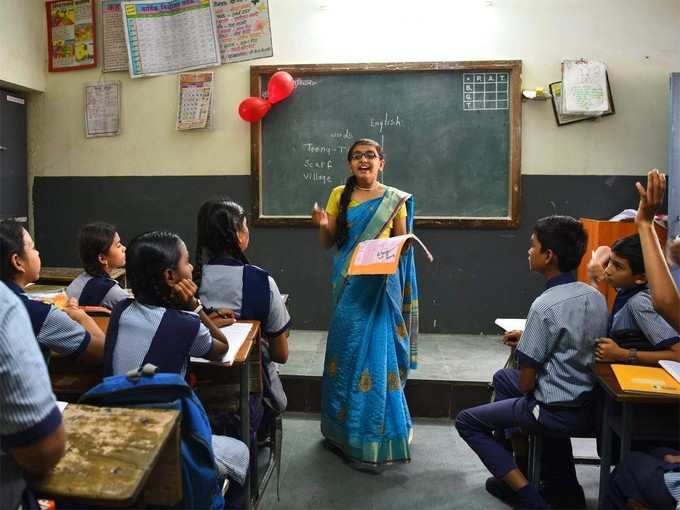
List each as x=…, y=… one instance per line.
x=632, y=356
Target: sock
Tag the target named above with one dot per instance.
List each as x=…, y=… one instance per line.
x=529, y=497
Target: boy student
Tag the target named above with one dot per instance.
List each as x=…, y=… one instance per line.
x=634, y=324
x=650, y=480
x=551, y=392
x=32, y=436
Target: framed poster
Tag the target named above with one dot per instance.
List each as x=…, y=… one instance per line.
x=71, y=35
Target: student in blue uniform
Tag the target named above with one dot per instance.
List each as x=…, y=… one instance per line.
x=165, y=324
x=101, y=251
x=227, y=279
x=69, y=331
x=650, y=480
x=551, y=393
x=637, y=333
x=32, y=436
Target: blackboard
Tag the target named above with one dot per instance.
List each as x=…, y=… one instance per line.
x=450, y=132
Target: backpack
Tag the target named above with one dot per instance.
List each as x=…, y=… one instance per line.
x=145, y=388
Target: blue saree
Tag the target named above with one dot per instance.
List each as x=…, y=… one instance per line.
x=371, y=345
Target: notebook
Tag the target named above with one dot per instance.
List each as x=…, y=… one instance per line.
x=236, y=334
x=650, y=380
x=672, y=367
x=511, y=324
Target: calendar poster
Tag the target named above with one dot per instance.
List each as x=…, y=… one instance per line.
x=169, y=36
x=70, y=34
x=195, y=100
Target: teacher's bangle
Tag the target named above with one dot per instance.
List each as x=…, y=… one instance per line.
x=199, y=307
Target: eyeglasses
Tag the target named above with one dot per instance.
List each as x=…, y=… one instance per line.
x=369, y=155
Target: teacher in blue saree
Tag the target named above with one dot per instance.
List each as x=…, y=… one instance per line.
x=372, y=336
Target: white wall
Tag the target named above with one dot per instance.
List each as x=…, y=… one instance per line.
x=638, y=39
x=23, y=44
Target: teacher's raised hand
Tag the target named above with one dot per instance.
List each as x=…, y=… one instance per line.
x=319, y=216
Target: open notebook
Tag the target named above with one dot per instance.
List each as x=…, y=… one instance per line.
x=236, y=334
x=510, y=324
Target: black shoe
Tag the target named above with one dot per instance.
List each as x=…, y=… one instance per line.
x=569, y=497
x=501, y=490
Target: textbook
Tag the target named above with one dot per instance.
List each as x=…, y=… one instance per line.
x=236, y=334
x=651, y=380
x=381, y=256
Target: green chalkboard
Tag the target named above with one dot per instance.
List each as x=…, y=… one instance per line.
x=450, y=132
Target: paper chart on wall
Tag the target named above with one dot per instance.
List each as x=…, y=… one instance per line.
x=169, y=36
x=195, y=100
x=584, y=87
x=243, y=29
x=102, y=109
x=114, y=49
x=70, y=34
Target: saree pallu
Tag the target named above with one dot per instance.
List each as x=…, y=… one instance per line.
x=372, y=345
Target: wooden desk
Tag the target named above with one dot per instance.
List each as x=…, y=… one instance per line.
x=65, y=275
x=645, y=427
x=218, y=375
x=113, y=453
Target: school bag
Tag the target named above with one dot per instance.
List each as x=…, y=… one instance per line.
x=146, y=388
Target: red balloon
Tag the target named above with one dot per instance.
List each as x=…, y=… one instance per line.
x=253, y=109
x=281, y=85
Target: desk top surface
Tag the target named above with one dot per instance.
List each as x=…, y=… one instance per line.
x=110, y=452
x=606, y=378
x=67, y=274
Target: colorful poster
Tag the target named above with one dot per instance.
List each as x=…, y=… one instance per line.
x=114, y=48
x=71, y=34
x=195, y=100
x=243, y=29
x=169, y=36
x=102, y=109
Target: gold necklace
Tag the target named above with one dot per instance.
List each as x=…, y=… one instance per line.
x=375, y=185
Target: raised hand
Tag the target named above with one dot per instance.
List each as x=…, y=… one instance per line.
x=651, y=198
x=319, y=216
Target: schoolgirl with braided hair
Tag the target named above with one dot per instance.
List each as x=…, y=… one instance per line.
x=227, y=279
x=165, y=323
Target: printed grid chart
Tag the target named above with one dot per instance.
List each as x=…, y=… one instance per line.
x=485, y=91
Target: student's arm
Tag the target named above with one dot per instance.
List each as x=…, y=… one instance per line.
x=277, y=324
x=665, y=296
x=38, y=458
x=608, y=351
x=31, y=428
x=278, y=348
x=527, y=379
x=94, y=352
x=184, y=292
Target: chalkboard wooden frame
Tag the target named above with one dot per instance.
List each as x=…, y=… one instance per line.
x=514, y=67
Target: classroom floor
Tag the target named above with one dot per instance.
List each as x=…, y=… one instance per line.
x=443, y=474
x=470, y=358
